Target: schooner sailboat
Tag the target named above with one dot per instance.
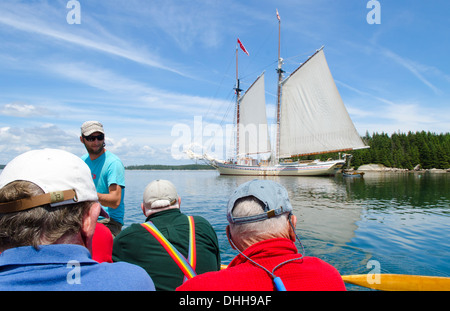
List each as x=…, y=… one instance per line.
x=311, y=119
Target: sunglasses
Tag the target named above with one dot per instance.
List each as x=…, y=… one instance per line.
x=92, y=137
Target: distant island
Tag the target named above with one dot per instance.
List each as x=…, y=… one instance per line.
x=170, y=167
x=161, y=167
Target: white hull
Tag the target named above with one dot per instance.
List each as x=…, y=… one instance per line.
x=307, y=169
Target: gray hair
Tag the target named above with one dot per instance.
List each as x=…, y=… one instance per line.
x=148, y=210
x=275, y=227
x=39, y=225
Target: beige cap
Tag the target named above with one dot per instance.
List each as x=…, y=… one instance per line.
x=90, y=127
x=160, y=193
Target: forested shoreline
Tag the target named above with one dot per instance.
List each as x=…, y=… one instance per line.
x=402, y=150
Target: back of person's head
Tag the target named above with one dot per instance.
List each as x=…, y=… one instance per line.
x=159, y=195
x=259, y=210
x=44, y=195
x=275, y=227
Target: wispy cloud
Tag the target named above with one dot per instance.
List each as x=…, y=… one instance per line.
x=186, y=24
x=394, y=115
x=24, y=18
x=136, y=94
x=415, y=68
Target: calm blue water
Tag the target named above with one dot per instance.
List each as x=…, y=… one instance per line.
x=402, y=221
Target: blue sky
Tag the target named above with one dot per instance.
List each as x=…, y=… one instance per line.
x=146, y=67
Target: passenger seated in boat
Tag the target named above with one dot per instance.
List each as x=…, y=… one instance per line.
x=137, y=244
x=48, y=213
x=102, y=244
x=262, y=229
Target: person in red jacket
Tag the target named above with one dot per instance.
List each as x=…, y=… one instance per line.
x=262, y=229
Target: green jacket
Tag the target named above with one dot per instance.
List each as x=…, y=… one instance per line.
x=137, y=246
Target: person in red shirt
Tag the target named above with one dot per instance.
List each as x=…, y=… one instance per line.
x=262, y=229
x=102, y=244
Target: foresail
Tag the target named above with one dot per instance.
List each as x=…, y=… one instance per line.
x=313, y=116
x=253, y=129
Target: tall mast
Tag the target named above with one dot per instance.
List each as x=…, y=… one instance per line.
x=280, y=79
x=238, y=93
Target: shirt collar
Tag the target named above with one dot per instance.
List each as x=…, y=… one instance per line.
x=45, y=254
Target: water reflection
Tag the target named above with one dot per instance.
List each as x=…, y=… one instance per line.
x=407, y=189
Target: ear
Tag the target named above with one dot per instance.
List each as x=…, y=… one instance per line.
x=227, y=230
x=88, y=225
x=292, y=230
x=81, y=139
x=143, y=209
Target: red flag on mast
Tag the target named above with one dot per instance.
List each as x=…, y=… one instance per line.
x=278, y=16
x=242, y=46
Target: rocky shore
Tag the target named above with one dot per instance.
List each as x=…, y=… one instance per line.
x=384, y=169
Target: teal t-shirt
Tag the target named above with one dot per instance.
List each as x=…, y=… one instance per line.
x=107, y=170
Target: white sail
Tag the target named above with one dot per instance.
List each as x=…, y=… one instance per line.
x=253, y=130
x=313, y=116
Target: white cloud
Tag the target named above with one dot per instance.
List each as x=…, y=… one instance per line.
x=17, y=140
x=18, y=109
x=404, y=117
x=408, y=113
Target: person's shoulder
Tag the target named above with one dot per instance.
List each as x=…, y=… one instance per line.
x=84, y=157
x=127, y=276
x=131, y=231
x=321, y=266
x=201, y=220
x=111, y=156
x=203, y=224
x=113, y=160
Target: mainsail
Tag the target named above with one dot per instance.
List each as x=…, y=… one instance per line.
x=313, y=116
x=253, y=130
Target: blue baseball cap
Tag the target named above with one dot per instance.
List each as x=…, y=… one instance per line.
x=273, y=196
